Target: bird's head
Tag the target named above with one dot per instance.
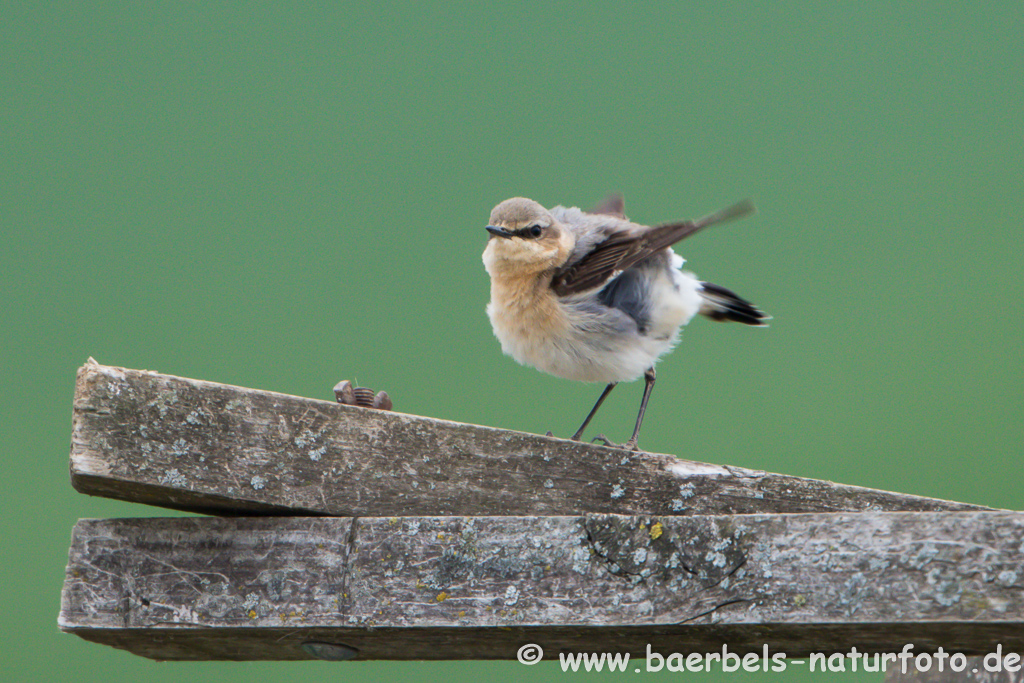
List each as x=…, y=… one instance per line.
x=525, y=239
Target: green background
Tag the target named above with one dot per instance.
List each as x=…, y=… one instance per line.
x=282, y=197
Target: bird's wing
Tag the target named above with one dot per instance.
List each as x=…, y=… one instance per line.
x=612, y=205
x=630, y=245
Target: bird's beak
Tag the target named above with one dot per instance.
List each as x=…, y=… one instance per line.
x=499, y=232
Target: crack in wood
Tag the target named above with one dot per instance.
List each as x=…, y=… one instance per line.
x=731, y=601
x=473, y=578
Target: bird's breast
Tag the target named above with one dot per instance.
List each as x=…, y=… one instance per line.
x=538, y=330
x=525, y=314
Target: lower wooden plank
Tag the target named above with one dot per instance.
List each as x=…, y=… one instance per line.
x=482, y=587
x=997, y=667
x=788, y=641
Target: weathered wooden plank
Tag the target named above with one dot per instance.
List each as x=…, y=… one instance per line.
x=481, y=587
x=209, y=447
x=973, y=670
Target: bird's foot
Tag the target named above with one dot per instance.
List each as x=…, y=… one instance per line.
x=603, y=440
x=549, y=433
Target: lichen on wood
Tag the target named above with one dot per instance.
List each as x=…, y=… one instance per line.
x=479, y=587
x=208, y=447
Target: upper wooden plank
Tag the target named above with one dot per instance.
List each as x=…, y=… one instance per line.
x=208, y=447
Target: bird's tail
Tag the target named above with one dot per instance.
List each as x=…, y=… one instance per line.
x=719, y=303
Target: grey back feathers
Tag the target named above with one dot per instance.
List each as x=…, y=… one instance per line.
x=589, y=229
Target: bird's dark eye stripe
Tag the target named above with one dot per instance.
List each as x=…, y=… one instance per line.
x=530, y=231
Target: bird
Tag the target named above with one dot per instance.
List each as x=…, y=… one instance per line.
x=594, y=297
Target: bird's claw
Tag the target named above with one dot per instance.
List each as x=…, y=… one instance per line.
x=549, y=433
x=604, y=441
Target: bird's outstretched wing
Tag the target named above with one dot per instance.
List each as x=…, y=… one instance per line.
x=621, y=250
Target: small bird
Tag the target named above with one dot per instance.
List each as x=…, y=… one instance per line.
x=592, y=296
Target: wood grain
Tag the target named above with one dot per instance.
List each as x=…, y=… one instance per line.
x=208, y=447
x=481, y=587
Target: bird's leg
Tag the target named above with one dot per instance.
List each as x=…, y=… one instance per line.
x=604, y=395
x=648, y=386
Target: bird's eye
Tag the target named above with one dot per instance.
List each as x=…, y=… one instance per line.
x=535, y=231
